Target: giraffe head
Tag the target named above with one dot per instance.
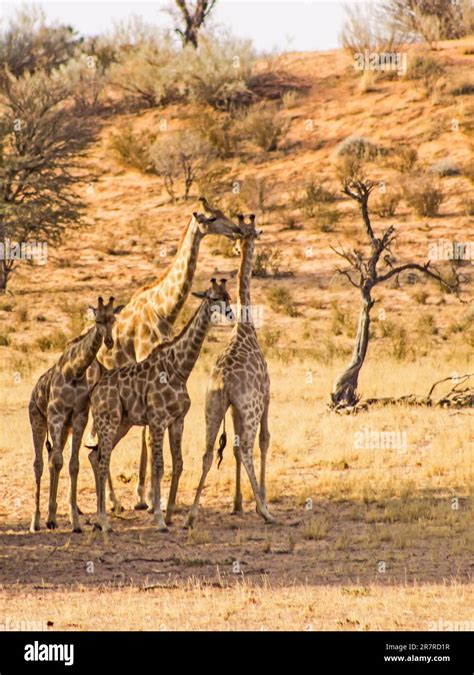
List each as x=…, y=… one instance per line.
x=249, y=231
x=213, y=221
x=104, y=316
x=218, y=296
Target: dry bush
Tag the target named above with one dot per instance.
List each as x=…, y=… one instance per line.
x=132, y=149
x=445, y=167
x=424, y=195
x=256, y=194
x=53, y=342
x=325, y=218
x=403, y=157
x=265, y=126
x=425, y=68
x=268, y=261
x=87, y=79
x=219, y=130
x=28, y=44
x=281, y=300
x=359, y=148
x=366, y=28
x=183, y=155
x=433, y=20
x=348, y=168
x=148, y=72
x=218, y=72
x=386, y=204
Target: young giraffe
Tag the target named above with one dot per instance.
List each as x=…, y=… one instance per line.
x=239, y=379
x=148, y=317
x=59, y=403
x=153, y=393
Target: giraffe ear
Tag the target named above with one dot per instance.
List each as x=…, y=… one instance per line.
x=199, y=294
x=91, y=312
x=118, y=309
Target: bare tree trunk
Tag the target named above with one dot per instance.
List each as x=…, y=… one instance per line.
x=345, y=388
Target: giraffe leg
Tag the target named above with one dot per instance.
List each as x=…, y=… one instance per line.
x=175, y=432
x=238, y=506
x=264, y=442
x=38, y=428
x=246, y=429
x=214, y=418
x=58, y=432
x=157, y=433
x=78, y=425
x=113, y=499
x=141, y=503
x=109, y=432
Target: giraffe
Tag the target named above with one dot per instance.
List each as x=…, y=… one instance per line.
x=59, y=403
x=149, y=316
x=152, y=392
x=239, y=380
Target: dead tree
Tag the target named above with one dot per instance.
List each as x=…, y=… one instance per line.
x=194, y=17
x=364, y=274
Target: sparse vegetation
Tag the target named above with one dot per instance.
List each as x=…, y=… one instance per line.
x=424, y=196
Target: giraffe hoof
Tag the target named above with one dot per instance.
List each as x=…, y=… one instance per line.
x=141, y=506
x=163, y=529
x=51, y=524
x=237, y=511
x=117, y=508
x=76, y=530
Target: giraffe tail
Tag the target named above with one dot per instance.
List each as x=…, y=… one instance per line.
x=220, y=449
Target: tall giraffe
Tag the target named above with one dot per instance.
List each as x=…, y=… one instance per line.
x=59, y=403
x=148, y=317
x=152, y=392
x=239, y=380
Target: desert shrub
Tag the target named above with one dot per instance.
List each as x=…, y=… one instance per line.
x=316, y=528
x=314, y=194
x=467, y=206
x=325, y=217
x=426, y=325
x=182, y=155
x=368, y=81
x=365, y=28
x=358, y=147
x=425, y=68
x=268, y=261
x=256, y=193
x=218, y=129
x=270, y=337
x=86, y=78
x=4, y=340
x=281, y=300
x=433, y=20
x=28, y=44
x=420, y=296
x=149, y=72
x=132, y=149
x=403, y=157
x=445, y=167
x=386, y=204
x=348, y=167
x=399, y=343
x=55, y=341
x=217, y=73
x=265, y=126
x=424, y=196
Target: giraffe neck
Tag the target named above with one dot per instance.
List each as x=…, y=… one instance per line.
x=243, y=282
x=169, y=295
x=186, y=347
x=79, y=355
